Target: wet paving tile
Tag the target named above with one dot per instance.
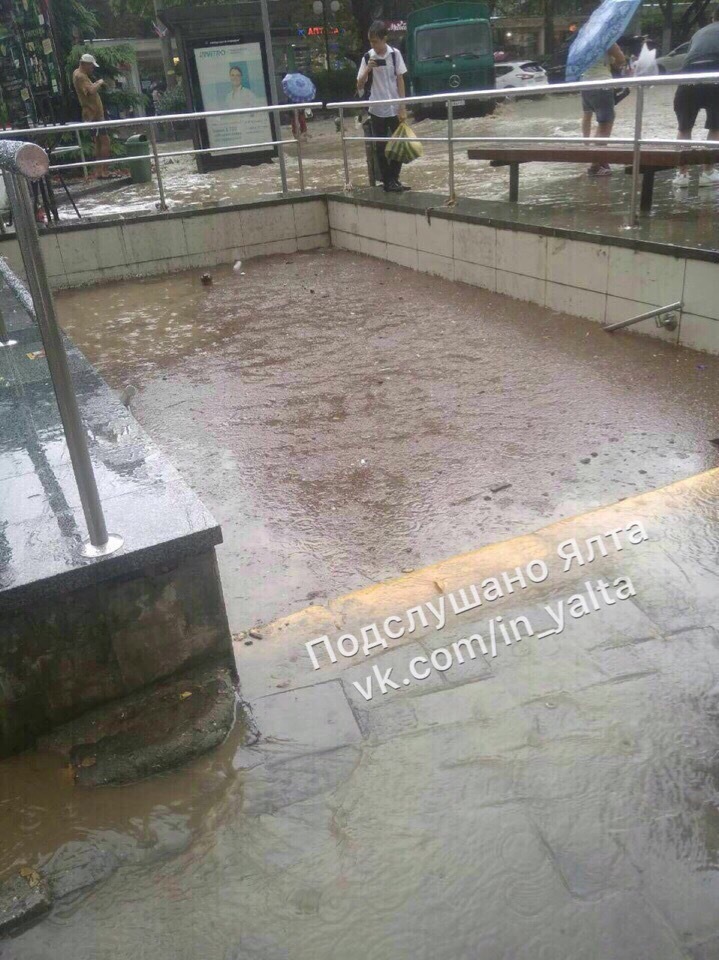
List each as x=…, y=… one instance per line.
x=304, y=721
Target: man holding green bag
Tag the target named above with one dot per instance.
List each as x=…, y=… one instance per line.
x=381, y=77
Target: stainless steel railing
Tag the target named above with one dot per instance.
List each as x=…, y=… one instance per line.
x=637, y=83
x=151, y=123
x=20, y=163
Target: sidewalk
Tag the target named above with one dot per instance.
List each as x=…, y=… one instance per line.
x=557, y=800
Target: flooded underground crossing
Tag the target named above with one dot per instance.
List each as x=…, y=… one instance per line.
x=359, y=584
x=346, y=418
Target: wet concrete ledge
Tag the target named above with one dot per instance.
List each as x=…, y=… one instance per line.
x=75, y=633
x=514, y=216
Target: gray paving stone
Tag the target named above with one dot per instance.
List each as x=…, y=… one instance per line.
x=297, y=722
x=687, y=660
x=709, y=950
x=679, y=873
x=588, y=855
x=281, y=783
x=398, y=660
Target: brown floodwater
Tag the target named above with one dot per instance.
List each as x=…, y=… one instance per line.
x=346, y=419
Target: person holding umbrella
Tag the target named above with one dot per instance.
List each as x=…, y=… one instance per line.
x=601, y=104
x=298, y=89
x=596, y=40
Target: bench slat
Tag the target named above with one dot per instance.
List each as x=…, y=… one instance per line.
x=660, y=158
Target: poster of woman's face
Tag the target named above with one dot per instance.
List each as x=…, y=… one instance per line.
x=232, y=78
x=236, y=76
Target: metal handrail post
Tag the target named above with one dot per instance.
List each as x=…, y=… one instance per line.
x=158, y=172
x=345, y=158
x=78, y=138
x=298, y=141
x=450, y=147
x=656, y=312
x=636, y=155
x=100, y=543
x=270, y=54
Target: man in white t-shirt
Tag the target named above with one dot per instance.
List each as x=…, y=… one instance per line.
x=383, y=70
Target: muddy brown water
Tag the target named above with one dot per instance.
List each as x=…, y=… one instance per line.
x=346, y=419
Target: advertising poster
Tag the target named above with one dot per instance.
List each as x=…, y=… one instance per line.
x=231, y=76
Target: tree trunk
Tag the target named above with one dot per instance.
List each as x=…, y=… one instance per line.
x=668, y=11
x=166, y=47
x=694, y=16
x=549, y=27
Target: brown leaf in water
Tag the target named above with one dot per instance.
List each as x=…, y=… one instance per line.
x=32, y=876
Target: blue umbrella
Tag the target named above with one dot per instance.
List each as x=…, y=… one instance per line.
x=298, y=88
x=605, y=26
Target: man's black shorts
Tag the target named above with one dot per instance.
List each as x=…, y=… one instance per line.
x=690, y=98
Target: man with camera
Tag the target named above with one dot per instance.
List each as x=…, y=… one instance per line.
x=93, y=111
x=381, y=77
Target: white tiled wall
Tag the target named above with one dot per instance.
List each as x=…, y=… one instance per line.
x=151, y=247
x=597, y=281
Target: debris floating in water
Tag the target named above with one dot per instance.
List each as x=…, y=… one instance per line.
x=497, y=487
x=127, y=394
x=237, y=266
x=206, y=279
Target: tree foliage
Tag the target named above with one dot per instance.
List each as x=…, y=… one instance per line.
x=71, y=18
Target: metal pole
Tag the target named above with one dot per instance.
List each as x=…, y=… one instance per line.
x=82, y=153
x=450, y=145
x=300, y=171
x=156, y=155
x=345, y=158
x=273, y=89
x=636, y=155
x=327, y=36
x=100, y=543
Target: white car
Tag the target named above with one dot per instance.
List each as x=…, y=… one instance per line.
x=519, y=73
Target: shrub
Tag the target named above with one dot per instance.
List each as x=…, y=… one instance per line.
x=335, y=84
x=172, y=101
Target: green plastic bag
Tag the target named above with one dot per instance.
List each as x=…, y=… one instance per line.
x=404, y=150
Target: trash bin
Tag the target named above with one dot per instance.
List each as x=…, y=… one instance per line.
x=140, y=170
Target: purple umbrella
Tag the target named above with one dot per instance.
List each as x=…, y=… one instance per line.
x=298, y=88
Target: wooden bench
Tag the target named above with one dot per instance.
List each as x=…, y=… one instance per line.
x=653, y=159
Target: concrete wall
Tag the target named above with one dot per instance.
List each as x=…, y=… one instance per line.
x=62, y=656
x=601, y=282
x=77, y=255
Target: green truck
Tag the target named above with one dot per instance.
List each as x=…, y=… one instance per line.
x=449, y=49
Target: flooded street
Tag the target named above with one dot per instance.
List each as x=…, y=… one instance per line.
x=357, y=426
x=547, y=190
x=346, y=419
x=557, y=801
